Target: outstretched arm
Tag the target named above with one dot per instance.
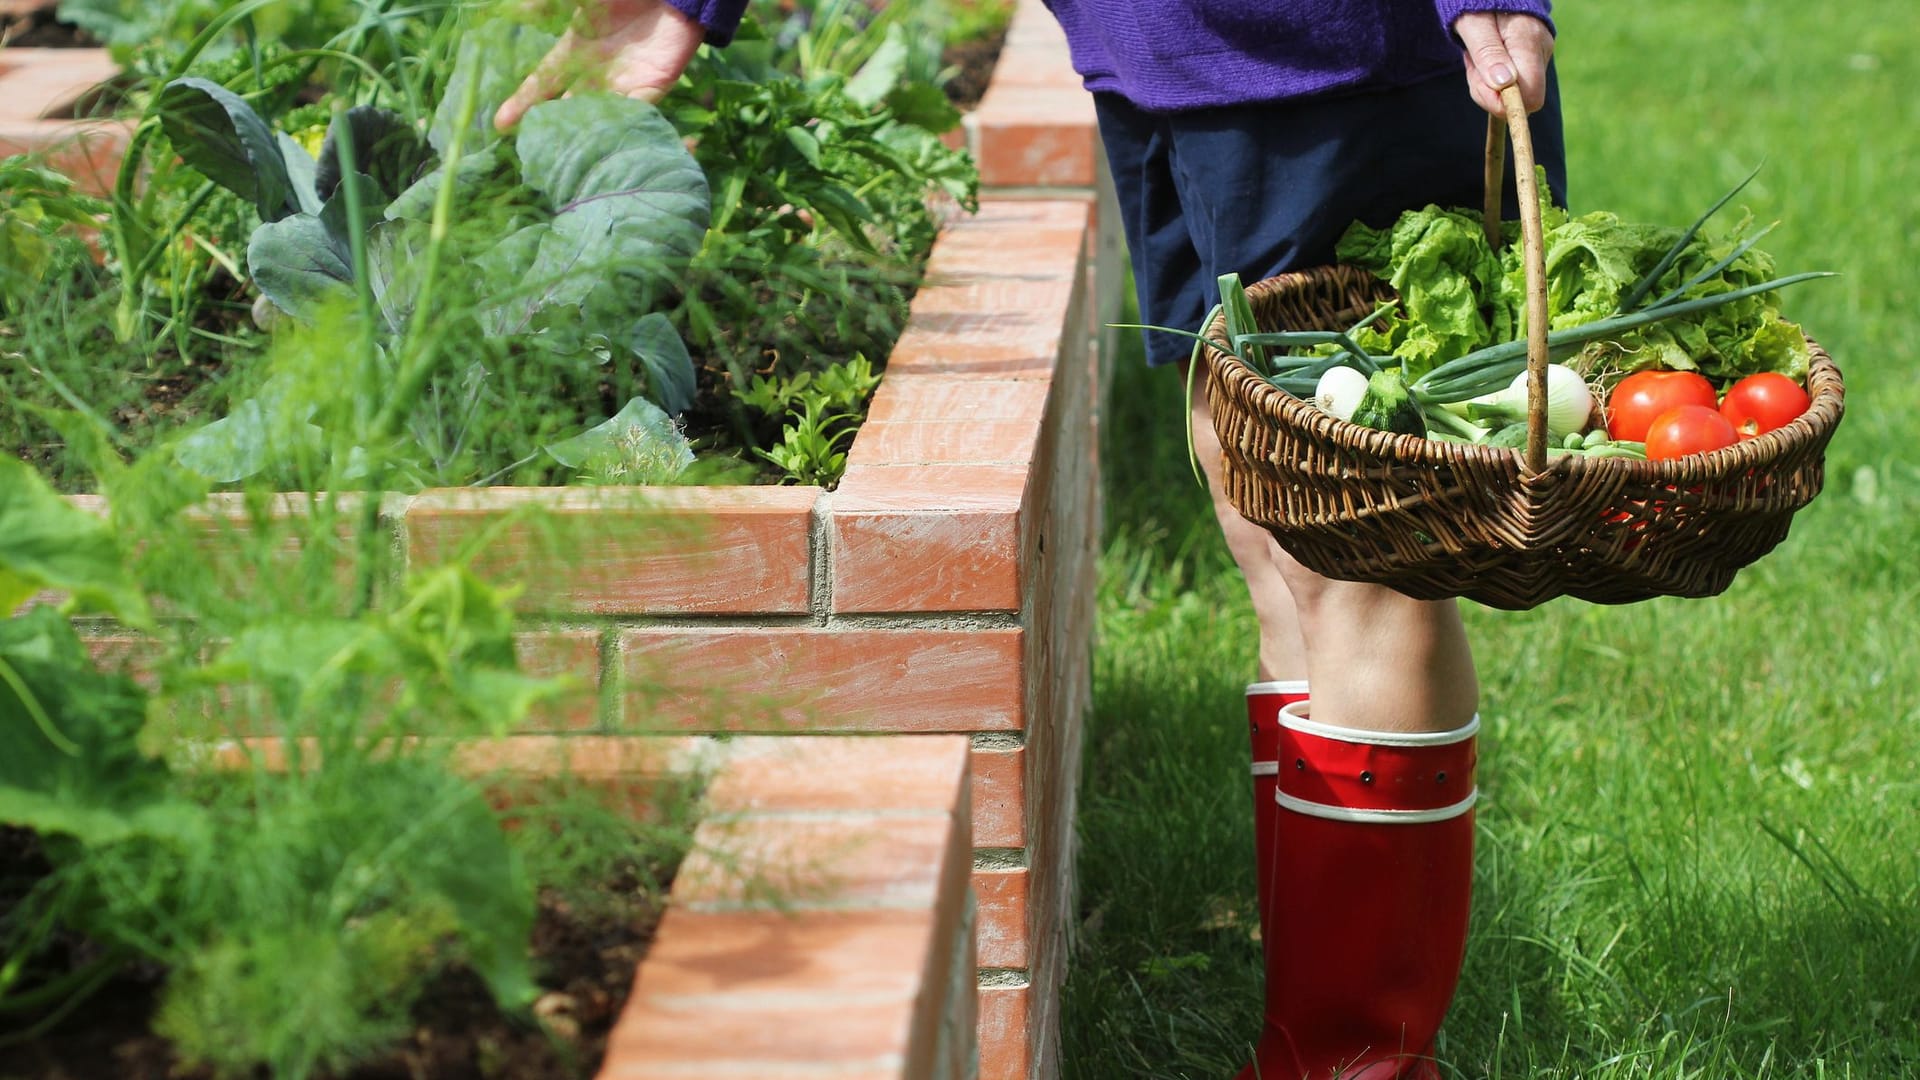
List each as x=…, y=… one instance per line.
x=1503, y=48
x=632, y=47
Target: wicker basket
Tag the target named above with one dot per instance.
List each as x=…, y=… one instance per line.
x=1505, y=528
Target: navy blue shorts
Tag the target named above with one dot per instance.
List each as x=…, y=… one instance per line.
x=1263, y=189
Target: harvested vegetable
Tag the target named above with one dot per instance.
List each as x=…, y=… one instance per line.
x=1447, y=358
x=1458, y=294
x=1388, y=405
x=1688, y=429
x=1339, y=392
x=1644, y=396
x=1569, y=402
x=1761, y=403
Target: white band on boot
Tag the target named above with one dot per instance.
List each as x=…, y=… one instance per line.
x=1291, y=718
x=1383, y=817
x=1280, y=686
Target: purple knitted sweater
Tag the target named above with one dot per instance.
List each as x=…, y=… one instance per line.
x=1168, y=55
x=720, y=17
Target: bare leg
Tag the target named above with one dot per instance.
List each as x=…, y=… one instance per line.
x=1376, y=659
x=1283, y=655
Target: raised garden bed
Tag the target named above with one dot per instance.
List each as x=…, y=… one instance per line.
x=945, y=586
x=821, y=922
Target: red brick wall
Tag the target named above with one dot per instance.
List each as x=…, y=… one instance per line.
x=945, y=586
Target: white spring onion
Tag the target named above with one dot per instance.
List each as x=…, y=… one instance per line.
x=1339, y=392
x=1569, y=402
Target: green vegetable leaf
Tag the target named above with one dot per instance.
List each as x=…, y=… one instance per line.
x=1441, y=265
x=252, y=436
x=300, y=263
x=803, y=140
x=334, y=215
x=613, y=152
x=394, y=253
x=882, y=72
x=220, y=135
x=923, y=105
x=70, y=762
x=670, y=375
x=628, y=200
x=473, y=173
x=639, y=445
x=302, y=171
x=497, y=54
x=386, y=149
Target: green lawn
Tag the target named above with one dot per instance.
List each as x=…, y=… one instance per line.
x=1700, y=840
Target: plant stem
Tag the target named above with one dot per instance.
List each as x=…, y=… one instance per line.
x=415, y=371
x=82, y=984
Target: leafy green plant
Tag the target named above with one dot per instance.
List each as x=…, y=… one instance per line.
x=597, y=199
x=820, y=411
x=421, y=317
x=828, y=192
x=131, y=26
x=810, y=450
x=841, y=387
x=40, y=215
x=302, y=895
x=818, y=37
x=972, y=20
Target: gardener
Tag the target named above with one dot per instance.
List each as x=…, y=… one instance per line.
x=1245, y=136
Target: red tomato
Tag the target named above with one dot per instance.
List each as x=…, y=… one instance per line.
x=1689, y=429
x=1760, y=403
x=1644, y=396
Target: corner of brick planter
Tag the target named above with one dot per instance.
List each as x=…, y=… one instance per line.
x=1034, y=127
x=822, y=925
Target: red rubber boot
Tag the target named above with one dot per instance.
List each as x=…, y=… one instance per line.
x=1373, y=856
x=1264, y=702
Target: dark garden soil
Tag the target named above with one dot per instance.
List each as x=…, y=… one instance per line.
x=975, y=60
x=586, y=960
x=40, y=30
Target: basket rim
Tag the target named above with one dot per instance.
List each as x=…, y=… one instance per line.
x=1824, y=382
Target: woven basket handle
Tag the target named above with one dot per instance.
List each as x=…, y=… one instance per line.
x=1532, y=251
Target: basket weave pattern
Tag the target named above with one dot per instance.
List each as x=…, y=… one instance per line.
x=1435, y=519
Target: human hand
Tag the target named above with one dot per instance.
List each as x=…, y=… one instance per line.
x=1502, y=48
x=632, y=47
